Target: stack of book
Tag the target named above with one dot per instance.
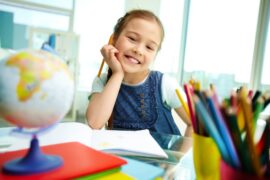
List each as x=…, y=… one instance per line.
x=82, y=150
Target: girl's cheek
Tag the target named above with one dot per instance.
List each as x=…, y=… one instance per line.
x=117, y=55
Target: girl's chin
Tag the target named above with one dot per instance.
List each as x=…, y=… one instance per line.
x=129, y=69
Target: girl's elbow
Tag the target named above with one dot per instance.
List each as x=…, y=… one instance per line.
x=94, y=126
x=94, y=123
x=95, y=120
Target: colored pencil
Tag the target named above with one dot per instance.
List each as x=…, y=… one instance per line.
x=223, y=131
x=247, y=109
x=255, y=98
x=191, y=108
x=258, y=108
x=182, y=101
x=208, y=122
x=240, y=145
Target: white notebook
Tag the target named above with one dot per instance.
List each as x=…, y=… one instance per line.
x=137, y=143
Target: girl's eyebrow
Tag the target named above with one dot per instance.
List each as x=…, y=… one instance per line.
x=133, y=32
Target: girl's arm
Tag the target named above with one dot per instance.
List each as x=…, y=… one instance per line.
x=101, y=104
x=183, y=115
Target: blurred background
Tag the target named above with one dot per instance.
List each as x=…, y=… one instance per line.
x=224, y=42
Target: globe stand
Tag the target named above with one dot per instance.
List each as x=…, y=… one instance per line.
x=34, y=161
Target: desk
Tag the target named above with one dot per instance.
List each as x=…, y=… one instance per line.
x=178, y=148
x=179, y=165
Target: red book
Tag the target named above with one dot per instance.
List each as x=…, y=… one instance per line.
x=79, y=160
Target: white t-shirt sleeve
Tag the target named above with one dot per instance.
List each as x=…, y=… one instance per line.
x=98, y=84
x=169, y=96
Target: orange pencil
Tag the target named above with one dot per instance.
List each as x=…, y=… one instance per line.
x=102, y=64
x=246, y=105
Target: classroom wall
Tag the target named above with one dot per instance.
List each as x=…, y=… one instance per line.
x=12, y=35
x=20, y=40
x=153, y=6
x=6, y=30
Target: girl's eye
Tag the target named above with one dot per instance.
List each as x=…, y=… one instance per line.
x=131, y=38
x=150, y=48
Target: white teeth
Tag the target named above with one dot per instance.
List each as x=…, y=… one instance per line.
x=133, y=60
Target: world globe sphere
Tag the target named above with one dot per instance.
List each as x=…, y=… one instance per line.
x=36, y=89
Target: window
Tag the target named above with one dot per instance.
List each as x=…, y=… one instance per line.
x=37, y=18
x=67, y=4
x=94, y=31
x=265, y=82
x=220, y=43
x=171, y=15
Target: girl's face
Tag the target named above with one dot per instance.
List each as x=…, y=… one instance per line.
x=138, y=45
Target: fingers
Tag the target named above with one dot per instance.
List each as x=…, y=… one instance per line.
x=110, y=55
x=109, y=52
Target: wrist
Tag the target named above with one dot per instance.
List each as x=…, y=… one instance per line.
x=119, y=75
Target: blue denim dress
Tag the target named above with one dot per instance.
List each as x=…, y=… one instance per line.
x=141, y=107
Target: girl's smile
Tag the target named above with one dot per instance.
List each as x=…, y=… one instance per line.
x=132, y=60
x=138, y=45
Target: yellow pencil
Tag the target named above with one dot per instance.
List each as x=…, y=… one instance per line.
x=182, y=101
x=102, y=64
x=197, y=86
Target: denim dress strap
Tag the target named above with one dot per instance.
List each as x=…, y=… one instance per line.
x=141, y=107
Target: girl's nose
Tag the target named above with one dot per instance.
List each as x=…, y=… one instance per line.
x=137, y=51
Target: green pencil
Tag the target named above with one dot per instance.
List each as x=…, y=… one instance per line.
x=241, y=146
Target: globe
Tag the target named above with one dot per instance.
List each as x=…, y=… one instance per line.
x=36, y=91
x=36, y=88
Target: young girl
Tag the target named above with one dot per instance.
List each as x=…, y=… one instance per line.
x=131, y=95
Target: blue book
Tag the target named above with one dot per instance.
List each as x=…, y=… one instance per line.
x=141, y=170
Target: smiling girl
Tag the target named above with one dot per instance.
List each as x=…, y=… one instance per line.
x=131, y=95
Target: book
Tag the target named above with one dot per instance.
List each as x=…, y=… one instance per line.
x=108, y=174
x=133, y=143
x=79, y=160
x=129, y=143
x=141, y=170
x=116, y=176
x=134, y=169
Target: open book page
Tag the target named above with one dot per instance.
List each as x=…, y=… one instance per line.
x=59, y=133
x=137, y=143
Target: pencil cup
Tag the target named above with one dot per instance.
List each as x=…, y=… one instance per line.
x=228, y=172
x=206, y=158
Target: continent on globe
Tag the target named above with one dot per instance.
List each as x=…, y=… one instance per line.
x=36, y=88
x=33, y=72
